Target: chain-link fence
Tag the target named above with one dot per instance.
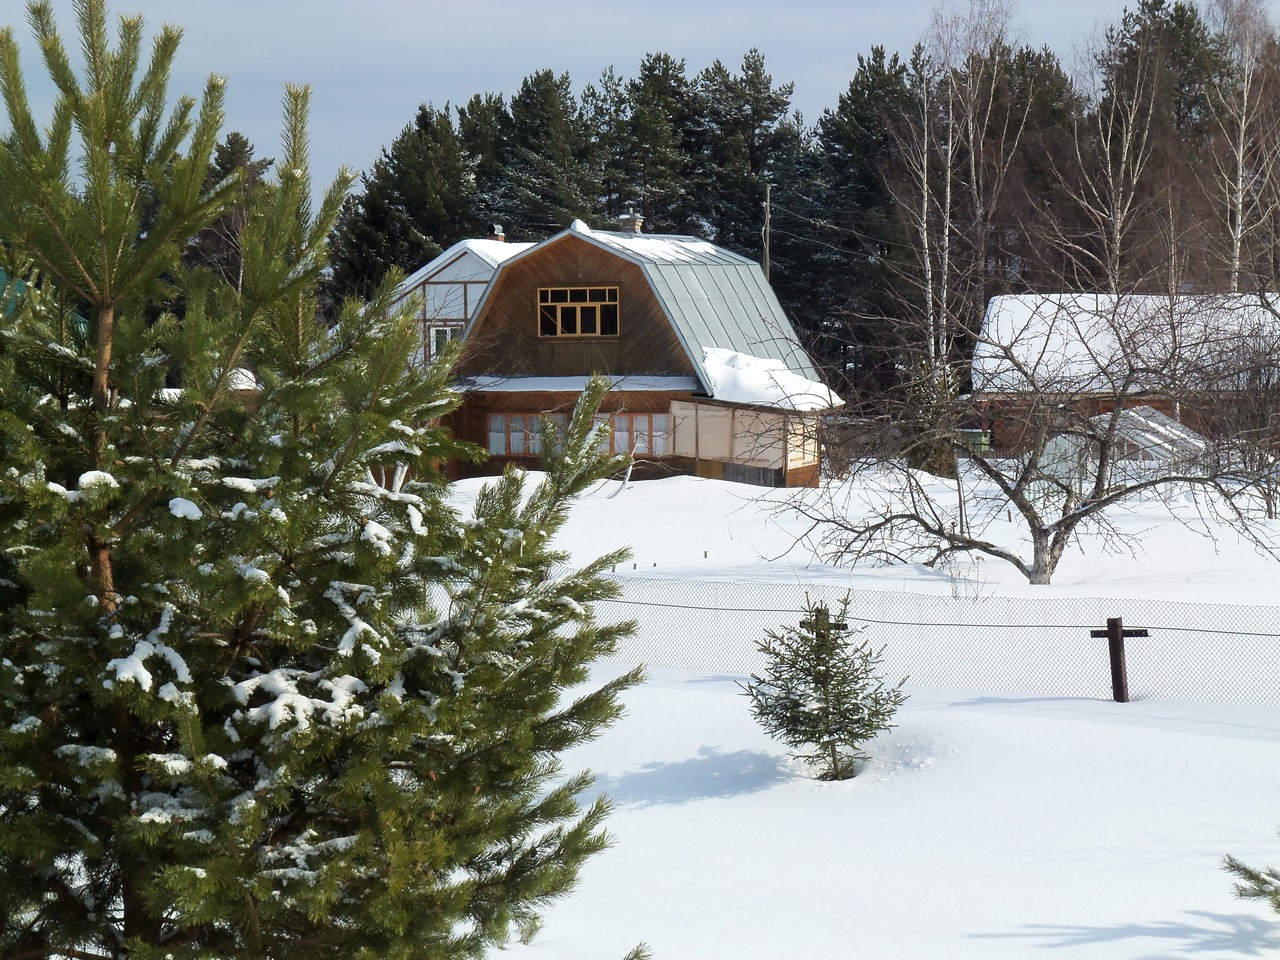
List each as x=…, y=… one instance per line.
x=1207, y=652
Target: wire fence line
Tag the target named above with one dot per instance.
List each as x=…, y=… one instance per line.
x=1196, y=652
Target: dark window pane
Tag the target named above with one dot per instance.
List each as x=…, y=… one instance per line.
x=544, y=296
x=569, y=321
x=596, y=294
x=547, y=326
x=613, y=294
x=578, y=295
x=608, y=320
x=560, y=296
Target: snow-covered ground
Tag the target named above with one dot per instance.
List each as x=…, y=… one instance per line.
x=989, y=824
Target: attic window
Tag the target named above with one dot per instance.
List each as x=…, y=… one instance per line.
x=578, y=312
x=441, y=335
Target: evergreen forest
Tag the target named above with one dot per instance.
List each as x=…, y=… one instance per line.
x=966, y=168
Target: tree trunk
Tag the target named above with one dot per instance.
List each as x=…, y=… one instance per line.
x=99, y=551
x=1043, y=561
x=101, y=395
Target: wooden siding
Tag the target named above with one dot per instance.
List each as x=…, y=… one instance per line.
x=769, y=448
x=470, y=421
x=504, y=340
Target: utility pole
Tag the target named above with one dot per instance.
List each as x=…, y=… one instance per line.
x=768, y=203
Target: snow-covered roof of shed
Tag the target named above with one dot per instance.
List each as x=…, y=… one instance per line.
x=1102, y=342
x=715, y=298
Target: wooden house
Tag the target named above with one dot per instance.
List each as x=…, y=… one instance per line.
x=708, y=376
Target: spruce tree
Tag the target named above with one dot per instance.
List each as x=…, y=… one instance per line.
x=553, y=179
x=821, y=693
x=415, y=202
x=661, y=133
x=253, y=704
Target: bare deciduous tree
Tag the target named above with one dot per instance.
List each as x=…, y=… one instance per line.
x=1248, y=149
x=1111, y=152
x=1077, y=390
x=956, y=153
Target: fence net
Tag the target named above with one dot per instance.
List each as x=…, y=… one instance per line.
x=1198, y=652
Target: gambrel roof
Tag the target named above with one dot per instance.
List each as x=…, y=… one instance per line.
x=714, y=298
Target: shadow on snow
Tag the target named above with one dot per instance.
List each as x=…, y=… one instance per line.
x=1237, y=935
x=709, y=775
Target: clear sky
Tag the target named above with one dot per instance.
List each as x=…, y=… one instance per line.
x=371, y=62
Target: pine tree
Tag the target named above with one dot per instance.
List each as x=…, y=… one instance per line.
x=745, y=131
x=484, y=125
x=821, y=693
x=661, y=135
x=253, y=704
x=850, y=283
x=218, y=245
x=1254, y=884
x=606, y=114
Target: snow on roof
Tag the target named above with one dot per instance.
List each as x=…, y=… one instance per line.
x=242, y=378
x=661, y=248
x=1095, y=342
x=490, y=252
x=495, y=384
x=739, y=378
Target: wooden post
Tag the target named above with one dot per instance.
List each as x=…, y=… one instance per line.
x=1119, y=668
x=821, y=624
x=1115, y=634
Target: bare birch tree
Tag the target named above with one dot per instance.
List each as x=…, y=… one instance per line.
x=973, y=47
x=1245, y=162
x=956, y=151
x=1105, y=185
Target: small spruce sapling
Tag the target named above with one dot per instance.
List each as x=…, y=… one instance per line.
x=822, y=693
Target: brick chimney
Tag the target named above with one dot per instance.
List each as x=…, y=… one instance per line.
x=630, y=222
